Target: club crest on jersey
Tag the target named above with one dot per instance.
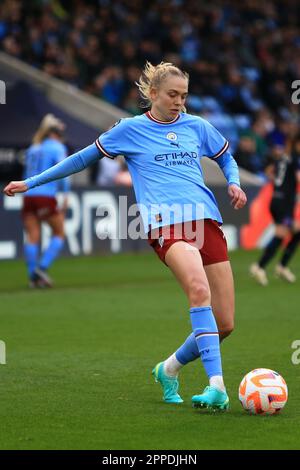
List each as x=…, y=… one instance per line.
x=171, y=136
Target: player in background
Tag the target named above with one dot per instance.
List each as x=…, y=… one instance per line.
x=284, y=170
x=162, y=149
x=40, y=204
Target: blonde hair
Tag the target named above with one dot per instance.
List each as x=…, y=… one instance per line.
x=153, y=75
x=48, y=122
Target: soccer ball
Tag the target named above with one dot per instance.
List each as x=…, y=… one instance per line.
x=263, y=392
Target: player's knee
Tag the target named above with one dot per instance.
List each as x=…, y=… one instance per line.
x=199, y=293
x=58, y=232
x=60, y=235
x=226, y=330
x=33, y=237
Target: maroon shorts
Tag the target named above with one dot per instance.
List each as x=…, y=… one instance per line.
x=41, y=206
x=205, y=235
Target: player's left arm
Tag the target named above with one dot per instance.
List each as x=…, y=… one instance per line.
x=230, y=170
x=216, y=148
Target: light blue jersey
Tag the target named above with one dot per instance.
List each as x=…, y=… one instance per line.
x=40, y=157
x=164, y=162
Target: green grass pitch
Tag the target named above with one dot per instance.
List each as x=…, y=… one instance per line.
x=79, y=358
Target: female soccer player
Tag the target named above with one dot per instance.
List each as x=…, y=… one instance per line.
x=163, y=148
x=40, y=205
x=284, y=170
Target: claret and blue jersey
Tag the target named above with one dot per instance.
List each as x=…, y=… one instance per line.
x=164, y=161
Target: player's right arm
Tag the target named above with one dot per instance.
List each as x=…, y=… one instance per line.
x=73, y=164
x=112, y=143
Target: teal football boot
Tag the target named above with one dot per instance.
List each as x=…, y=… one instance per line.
x=211, y=398
x=169, y=385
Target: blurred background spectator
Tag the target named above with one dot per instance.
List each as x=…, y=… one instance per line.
x=242, y=57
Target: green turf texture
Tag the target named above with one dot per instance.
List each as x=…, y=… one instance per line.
x=79, y=358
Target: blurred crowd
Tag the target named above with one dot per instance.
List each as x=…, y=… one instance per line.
x=242, y=57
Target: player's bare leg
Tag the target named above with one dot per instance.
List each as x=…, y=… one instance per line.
x=188, y=269
x=221, y=284
x=56, y=222
x=186, y=264
x=32, y=228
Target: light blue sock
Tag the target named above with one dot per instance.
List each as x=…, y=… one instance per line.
x=188, y=352
x=207, y=338
x=31, y=251
x=51, y=252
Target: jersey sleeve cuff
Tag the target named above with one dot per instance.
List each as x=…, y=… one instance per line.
x=29, y=183
x=102, y=149
x=223, y=150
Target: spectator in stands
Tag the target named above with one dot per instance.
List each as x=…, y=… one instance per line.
x=246, y=155
x=243, y=54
